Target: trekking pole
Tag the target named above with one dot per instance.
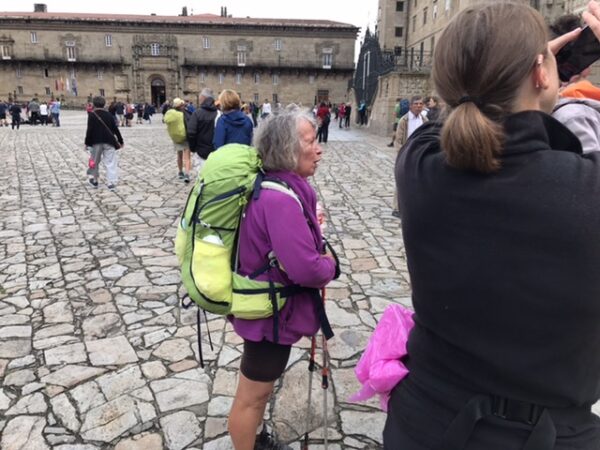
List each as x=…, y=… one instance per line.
x=311, y=369
x=324, y=381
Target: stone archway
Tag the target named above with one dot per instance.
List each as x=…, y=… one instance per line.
x=158, y=90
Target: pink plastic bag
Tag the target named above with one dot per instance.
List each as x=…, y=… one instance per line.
x=380, y=368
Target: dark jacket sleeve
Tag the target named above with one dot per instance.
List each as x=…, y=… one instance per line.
x=88, y=132
x=250, y=130
x=220, y=134
x=192, y=130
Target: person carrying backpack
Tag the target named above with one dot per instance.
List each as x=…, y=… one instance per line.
x=276, y=223
x=176, y=119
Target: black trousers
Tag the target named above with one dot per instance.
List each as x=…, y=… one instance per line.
x=323, y=133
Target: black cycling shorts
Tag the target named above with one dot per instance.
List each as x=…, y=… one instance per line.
x=264, y=361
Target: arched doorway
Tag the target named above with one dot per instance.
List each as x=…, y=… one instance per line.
x=158, y=91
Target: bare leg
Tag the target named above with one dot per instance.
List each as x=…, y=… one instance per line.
x=247, y=411
x=187, y=160
x=180, y=161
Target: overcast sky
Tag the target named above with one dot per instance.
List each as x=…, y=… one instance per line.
x=356, y=12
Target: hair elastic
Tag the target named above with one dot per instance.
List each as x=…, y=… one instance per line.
x=469, y=99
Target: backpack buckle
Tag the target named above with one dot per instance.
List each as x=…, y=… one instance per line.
x=516, y=411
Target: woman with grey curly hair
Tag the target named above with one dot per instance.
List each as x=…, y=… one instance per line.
x=281, y=222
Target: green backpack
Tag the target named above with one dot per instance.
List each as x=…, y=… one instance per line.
x=207, y=239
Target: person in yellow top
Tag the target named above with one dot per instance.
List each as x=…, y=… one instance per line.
x=176, y=120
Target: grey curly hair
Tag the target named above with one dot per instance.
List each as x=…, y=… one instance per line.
x=277, y=141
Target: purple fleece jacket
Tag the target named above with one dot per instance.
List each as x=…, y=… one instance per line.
x=275, y=222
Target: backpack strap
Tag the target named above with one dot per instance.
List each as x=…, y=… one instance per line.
x=282, y=187
x=276, y=185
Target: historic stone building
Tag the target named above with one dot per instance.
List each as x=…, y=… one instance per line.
x=406, y=33
x=155, y=58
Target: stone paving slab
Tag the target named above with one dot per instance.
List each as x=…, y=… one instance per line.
x=95, y=352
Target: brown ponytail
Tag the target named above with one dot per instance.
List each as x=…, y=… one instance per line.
x=471, y=140
x=484, y=54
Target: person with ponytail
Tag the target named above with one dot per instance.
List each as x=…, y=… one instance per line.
x=501, y=222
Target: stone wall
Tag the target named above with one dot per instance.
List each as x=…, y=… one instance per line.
x=390, y=87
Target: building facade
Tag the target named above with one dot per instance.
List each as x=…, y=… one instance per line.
x=156, y=58
x=407, y=32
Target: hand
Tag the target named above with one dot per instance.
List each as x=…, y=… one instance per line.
x=556, y=44
x=329, y=255
x=592, y=17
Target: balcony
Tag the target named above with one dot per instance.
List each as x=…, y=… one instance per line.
x=53, y=58
x=407, y=62
x=268, y=64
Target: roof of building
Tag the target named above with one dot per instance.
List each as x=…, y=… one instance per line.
x=207, y=19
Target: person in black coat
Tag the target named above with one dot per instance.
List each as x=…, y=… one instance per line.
x=104, y=138
x=201, y=126
x=501, y=212
x=15, y=115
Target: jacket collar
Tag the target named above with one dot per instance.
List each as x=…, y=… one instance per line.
x=529, y=131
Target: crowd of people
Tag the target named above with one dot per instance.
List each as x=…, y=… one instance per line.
x=497, y=190
x=33, y=112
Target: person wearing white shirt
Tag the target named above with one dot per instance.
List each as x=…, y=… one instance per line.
x=266, y=109
x=407, y=125
x=44, y=113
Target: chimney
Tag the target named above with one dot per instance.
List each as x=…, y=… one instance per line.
x=40, y=7
x=225, y=15
x=184, y=12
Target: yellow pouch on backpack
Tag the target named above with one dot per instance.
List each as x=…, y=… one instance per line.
x=246, y=304
x=211, y=269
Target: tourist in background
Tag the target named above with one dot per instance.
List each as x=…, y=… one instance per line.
x=342, y=114
x=44, y=113
x=33, y=109
x=55, y=112
x=232, y=126
x=176, y=120
x=201, y=126
x=15, y=115
x=407, y=125
x=579, y=105
x=432, y=107
x=3, y=111
x=103, y=135
x=323, y=120
x=347, y=115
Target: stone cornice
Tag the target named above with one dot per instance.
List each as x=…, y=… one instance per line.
x=124, y=26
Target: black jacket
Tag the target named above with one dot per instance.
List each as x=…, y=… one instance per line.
x=505, y=268
x=105, y=132
x=201, y=128
x=505, y=272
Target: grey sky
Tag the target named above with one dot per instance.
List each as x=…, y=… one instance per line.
x=359, y=13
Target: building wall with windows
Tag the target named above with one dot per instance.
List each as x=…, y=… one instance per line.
x=422, y=22
x=156, y=58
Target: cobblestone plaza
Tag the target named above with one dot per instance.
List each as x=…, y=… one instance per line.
x=95, y=351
